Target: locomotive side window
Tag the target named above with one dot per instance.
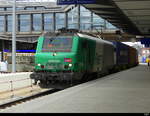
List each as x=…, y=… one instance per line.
x=84, y=44
x=57, y=44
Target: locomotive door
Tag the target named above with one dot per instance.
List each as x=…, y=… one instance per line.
x=86, y=56
x=99, y=57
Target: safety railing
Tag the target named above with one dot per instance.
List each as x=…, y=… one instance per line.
x=14, y=85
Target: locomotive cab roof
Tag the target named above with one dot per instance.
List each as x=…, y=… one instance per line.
x=67, y=32
x=73, y=32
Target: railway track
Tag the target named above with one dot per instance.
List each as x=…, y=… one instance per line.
x=19, y=100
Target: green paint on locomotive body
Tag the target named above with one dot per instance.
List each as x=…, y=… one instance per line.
x=82, y=56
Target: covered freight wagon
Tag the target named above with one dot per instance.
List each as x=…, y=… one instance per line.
x=133, y=57
x=122, y=54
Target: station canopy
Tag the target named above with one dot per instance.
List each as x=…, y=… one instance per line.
x=132, y=16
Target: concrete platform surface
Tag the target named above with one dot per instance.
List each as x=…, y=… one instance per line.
x=124, y=92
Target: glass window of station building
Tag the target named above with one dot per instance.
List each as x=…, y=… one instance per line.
x=60, y=20
x=9, y=8
x=2, y=23
x=9, y=23
x=2, y=9
x=37, y=22
x=48, y=22
x=24, y=23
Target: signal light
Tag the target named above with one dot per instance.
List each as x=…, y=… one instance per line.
x=67, y=59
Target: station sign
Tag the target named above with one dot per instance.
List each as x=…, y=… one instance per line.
x=69, y=2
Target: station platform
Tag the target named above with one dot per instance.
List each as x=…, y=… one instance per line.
x=127, y=91
x=9, y=81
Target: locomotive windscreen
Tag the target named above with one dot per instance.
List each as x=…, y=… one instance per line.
x=57, y=44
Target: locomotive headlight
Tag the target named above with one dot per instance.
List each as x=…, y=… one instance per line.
x=70, y=65
x=39, y=64
x=54, y=54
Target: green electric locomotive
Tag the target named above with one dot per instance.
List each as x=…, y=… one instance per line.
x=66, y=57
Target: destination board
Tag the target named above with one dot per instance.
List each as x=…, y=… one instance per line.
x=145, y=41
x=69, y=2
x=86, y=1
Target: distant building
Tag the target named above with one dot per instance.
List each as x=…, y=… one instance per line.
x=144, y=53
x=47, y=16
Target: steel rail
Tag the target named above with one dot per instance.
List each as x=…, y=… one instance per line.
x=28, y=98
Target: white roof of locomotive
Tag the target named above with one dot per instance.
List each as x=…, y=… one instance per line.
x=94, y=38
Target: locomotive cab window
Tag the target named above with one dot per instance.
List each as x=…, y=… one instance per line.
x=57, y=44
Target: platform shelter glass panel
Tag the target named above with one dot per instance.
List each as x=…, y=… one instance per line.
x=85, y=19
x=73, y=18
x=37, y=22
x=24, y=22
x=98, y=22
x=2, y=23
x=48, y=22
x=60, y=20
x=9, y=23
x=110, y=26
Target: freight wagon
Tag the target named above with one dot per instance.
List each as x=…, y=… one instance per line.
x=126, y=56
